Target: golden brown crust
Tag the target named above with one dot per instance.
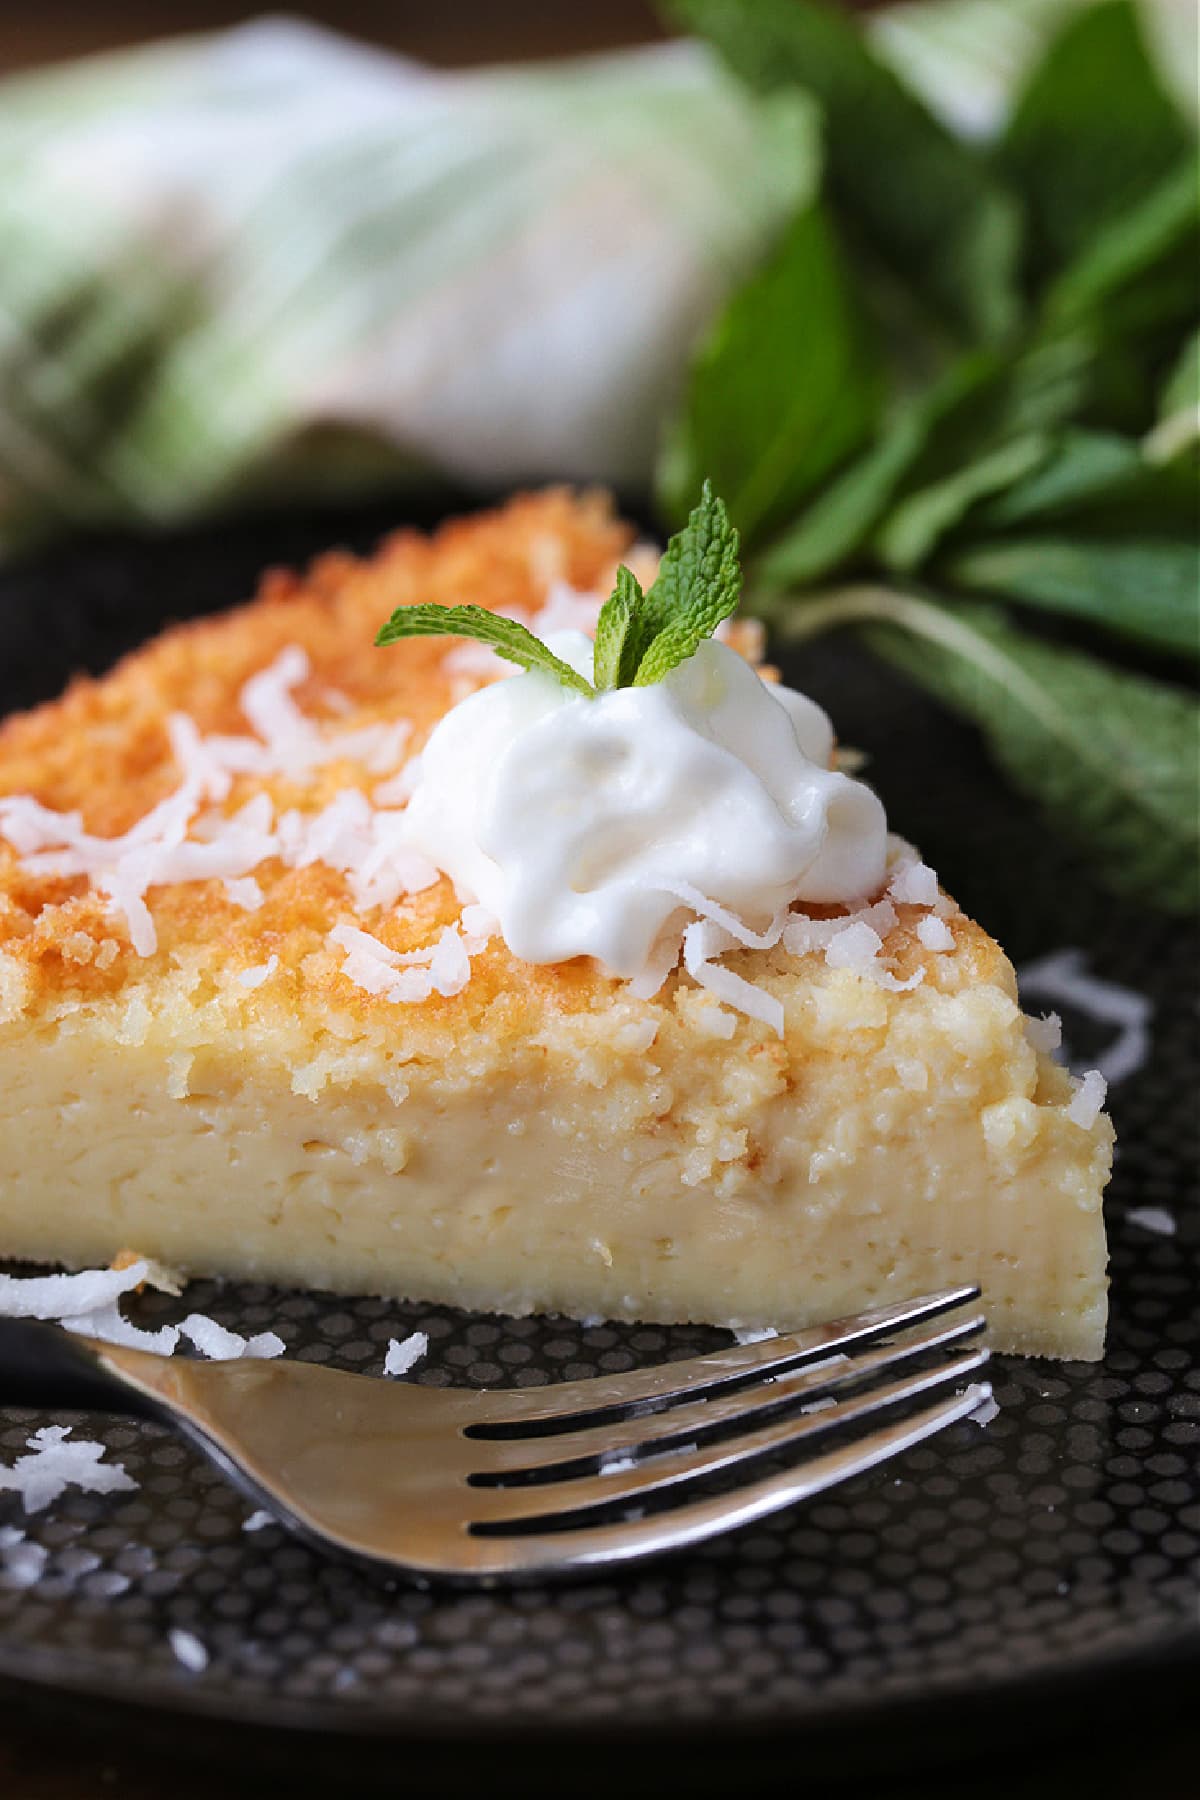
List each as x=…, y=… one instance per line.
x=103, y=748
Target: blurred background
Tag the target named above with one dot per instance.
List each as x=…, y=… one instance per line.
x=469, y=31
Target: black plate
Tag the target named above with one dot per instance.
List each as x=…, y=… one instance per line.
x=1053, y=1549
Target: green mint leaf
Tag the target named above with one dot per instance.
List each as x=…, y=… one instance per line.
x=1099, y=483
x=1091, y=134
x=1147, y=253
x=1145, y=590
x=922, y=201
x=921, y=520
x=1111, y=757
x=980, y=406
x=1178, y=407
x=504, y=636
x=699, y=583
x=612, y=662
x=1084, y=469
x=782, y=390
x=840, y=520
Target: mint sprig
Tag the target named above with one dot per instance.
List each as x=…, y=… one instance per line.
x=640, y=637
x=955, y=411
x=505, y=636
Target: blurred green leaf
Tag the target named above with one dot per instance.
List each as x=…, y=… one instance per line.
x=1135, y=251
x=1083, y=467
x=1146, y=590
x=918, y=198
x=1178, y=407
x=921, y=520
x=841, y=519
x=1104, y=480
x=1112, y=758
x=784, y=389
x=1091, y=134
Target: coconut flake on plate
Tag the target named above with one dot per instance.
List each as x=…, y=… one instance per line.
x=987, y=1410
x=187, y=1649
x=21, y=1564
x=53, y=1464
x=403, y=1354
x=64, y=1296
x=1152, y=1218
x=221, y=1345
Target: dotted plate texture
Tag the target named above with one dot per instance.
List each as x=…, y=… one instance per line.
x=1062, y=1536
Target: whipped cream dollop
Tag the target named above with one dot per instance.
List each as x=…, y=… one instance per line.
x=599, y=827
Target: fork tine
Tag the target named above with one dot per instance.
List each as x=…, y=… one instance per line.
x=602, y=1545
x=566, y=1404
x=511, y=1458
x=505, y=1509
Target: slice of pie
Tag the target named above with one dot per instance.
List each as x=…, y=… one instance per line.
x=246, y=1028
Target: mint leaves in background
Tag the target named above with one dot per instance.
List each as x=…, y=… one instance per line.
x=1111, y=754
x=784, y=389
x=640, y=637
x=960, y=410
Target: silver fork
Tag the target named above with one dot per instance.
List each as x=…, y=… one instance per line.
x=486, y=1487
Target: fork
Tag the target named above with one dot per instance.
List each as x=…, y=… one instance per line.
x=482, y=1488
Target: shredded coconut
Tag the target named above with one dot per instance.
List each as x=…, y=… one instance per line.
x=663, y=960
x=21, y=1565
x=188, y=1650
x=257, y=1521
x=1088, y=1099
x=220, y=1345
x=702, y=942
x=62, y=1296
x=854, y=941
x=403, y=1354
x=1152, y=1218
x=244, y=892
x=914, y=884
x=617, y=1463
x=254, y=977
x=986, y=1411
x=53, y=1465
x=749, y=1335
x=89, y=1304
x=935, y=934
x=178, y=840
x=1044, y=1034
x=404, y=976
x=398, y=789
x=1062, y=976
x=109, y=1324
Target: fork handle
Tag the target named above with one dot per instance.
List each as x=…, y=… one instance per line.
x=47, y=1367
